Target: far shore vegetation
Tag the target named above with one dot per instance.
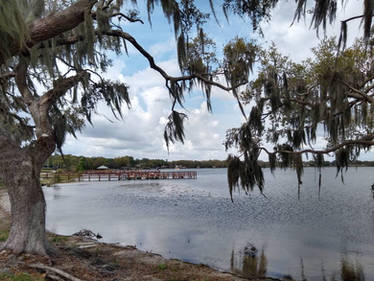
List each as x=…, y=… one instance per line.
x=75, y=163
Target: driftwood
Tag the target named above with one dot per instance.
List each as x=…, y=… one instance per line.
x=88, y=234
x=54, y=270
x=54, y=277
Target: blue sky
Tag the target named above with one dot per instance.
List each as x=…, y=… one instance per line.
x=140, y=133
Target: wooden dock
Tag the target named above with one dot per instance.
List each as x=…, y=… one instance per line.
x=118, y=175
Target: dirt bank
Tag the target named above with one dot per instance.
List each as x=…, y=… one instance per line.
x=90, y=260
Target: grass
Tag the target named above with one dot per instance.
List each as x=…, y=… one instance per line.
x=162, y=266
x=19, y=277
x=58, y=239
x=4, y=235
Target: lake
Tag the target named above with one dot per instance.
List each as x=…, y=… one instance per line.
x=329, y=234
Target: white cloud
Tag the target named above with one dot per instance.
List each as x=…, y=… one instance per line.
x=140, y=134
x=148, y=77
x=162, y=48
x=297, y=40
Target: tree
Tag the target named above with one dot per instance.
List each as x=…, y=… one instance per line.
x=329, y=96
x=81, y=165
x=51, y=56
x=340, y=97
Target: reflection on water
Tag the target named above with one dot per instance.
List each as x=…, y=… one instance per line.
x=248, y=265
x=194, y=220
x=350, y=271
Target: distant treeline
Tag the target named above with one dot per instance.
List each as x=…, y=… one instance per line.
x=80, y=163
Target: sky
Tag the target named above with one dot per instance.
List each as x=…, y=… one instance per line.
x=140, y=132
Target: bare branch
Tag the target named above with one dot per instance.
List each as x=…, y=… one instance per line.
x=7, y=75
x=368, y=89
x=352, y=18
x=365, y=141
x=355, y=93
x=153, y=65
x=130, y=19
x=72, y=68
x=367, y=80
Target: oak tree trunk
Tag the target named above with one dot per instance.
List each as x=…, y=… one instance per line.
x=27, y=232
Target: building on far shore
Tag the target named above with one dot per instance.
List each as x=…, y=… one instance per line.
x=102, y=167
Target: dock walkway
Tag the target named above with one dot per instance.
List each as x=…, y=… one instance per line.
x=118, y=175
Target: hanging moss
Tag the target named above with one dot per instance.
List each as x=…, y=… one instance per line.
x=247, y=173
x=298, y=138
x=285, y=154
x=233, y=172
x=319, y=160
x=255, y=119
x=342, y=159
x=174, y=129
x=299, y=168
x=239, y=57
x=272, y=161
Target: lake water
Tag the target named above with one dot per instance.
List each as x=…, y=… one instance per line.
x=331, y=234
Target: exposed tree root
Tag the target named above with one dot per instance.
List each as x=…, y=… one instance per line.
x=54, y=270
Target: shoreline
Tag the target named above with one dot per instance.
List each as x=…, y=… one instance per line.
x=80, y=254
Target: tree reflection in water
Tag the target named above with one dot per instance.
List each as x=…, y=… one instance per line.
x=248, y=265
x=350, y=271
x=252, y=265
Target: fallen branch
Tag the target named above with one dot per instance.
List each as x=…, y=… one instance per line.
x=54, y=277
x=88, y=234
x=55, y=270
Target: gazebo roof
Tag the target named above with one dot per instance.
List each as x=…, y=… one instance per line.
x=102, y=167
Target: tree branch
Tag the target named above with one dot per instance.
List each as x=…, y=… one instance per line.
x=55, y=24
x=357, y=93
x=302, y=102
x=44, y=145
x=119, y=33
x=7, y=75
x=367, y=80
x=153, y=65
x=63, y=41
x=353, y=18
x=130, y=19
x=60, y=87
x=21, y=75
x=366, y=141
x=368, y=89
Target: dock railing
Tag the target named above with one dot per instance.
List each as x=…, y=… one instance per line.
x=115, y=175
